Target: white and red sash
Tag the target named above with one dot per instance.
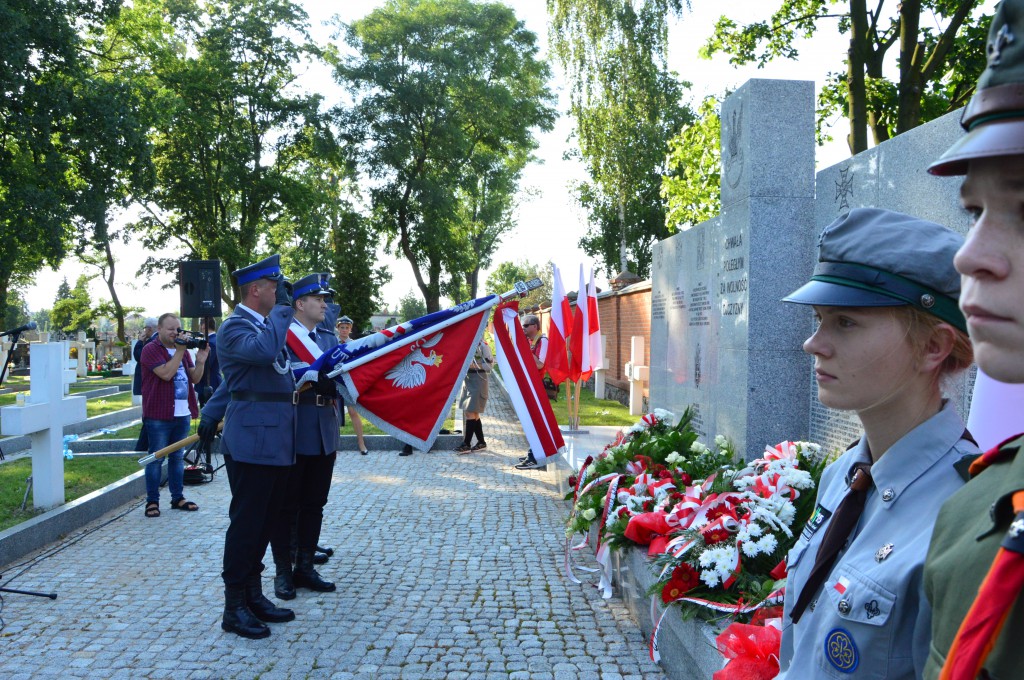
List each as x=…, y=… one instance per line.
x=305, y=349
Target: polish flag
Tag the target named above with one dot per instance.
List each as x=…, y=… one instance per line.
x=557, y=362
x=596, y=346
x=579, y=342
x=841, y=585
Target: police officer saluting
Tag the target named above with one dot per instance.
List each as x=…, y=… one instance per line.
x=255, y=403
x=317, y=440
x=975, y=569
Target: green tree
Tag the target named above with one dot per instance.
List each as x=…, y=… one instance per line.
x=356, y=279
x=692, y=187
x=940, y=47
x=74, y=312
x=504, y=277
x=41, y=74
x=626, y=105
x=410, y=306
x=439, y=85
x=226, y=158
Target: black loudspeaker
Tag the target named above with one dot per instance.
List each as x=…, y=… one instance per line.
x=199, y=283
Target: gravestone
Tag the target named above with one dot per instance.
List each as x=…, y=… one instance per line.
x=721, y=340
x=44, y=416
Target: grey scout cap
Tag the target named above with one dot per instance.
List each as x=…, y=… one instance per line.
x=871, y=257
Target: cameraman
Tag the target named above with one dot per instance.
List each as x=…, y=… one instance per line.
x=168, y=406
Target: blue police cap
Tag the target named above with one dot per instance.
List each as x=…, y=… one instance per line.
x=312, y=284
x=879, y=258
x=269, y=268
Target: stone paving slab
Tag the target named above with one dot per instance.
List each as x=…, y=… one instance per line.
x=448, y=567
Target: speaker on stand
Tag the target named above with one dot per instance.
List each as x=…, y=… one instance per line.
x=199, y=283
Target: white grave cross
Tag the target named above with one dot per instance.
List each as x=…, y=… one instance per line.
x=44, y=417
x=636, y=374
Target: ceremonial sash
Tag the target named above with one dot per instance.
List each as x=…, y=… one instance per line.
x=305, y=349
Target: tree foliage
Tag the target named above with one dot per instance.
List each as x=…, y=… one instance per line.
x=74, y=312
x=448, y=93
x=627, y=105
x=692, y=187
x=940, y=46
x=410, y=306
x=504, y=277
x=41, y=79
x=228, y=152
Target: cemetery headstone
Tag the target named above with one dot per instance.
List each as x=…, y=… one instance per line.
x=43, y=417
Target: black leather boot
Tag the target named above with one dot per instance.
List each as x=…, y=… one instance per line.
x=284, y=586
x=306, y=576
x=238, y=619
x=262, y=608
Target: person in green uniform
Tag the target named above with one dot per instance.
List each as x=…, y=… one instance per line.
x=975, y=566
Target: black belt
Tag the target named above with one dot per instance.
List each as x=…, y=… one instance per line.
x=312, y=398
x=281, y=397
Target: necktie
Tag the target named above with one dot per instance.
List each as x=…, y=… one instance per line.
x=843, y=521
x=312, y=336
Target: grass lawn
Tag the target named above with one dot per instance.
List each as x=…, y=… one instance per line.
x=114, y=402
x=81, y=476
x=594, y=411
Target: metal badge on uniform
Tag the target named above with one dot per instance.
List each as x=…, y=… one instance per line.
x=820, y=516
x=841, y=650
x=1015, y=535
x=883, y=552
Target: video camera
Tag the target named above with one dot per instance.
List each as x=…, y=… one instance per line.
x=191, y=340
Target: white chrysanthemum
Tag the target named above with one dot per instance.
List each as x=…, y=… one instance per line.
x=787, y=513
x=750, y=548
x=707, y=558
x=589, y=514
x=623, y=496
x=662, y=414
x=710, y=578
x=768, y=544
x=754, y=530
x=636, y=503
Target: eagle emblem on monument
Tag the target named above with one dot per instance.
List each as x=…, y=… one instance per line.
x=411, y=371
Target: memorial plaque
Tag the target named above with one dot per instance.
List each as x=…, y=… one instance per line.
x=736, y=367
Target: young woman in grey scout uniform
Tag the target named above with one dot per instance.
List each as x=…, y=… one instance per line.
x=473, y=400
x=973, y=574
x=884, y=291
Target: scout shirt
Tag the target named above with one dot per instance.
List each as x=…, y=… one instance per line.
x=970, y=527
x=870, y=619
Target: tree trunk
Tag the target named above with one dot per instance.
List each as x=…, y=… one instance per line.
x=858, y=138
x=623, y=262
x=908, y=112
x=108, y=277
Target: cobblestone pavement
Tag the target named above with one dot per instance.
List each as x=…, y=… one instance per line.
x=448, y=567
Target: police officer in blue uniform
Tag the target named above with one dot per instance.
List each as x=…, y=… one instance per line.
x=885, y=293
x=317, y=440
x=255, y=403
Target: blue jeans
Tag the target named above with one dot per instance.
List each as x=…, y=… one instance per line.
x=161, y=433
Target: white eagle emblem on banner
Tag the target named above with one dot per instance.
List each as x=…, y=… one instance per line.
x=411, y=371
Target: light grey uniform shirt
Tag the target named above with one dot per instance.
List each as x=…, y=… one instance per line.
x=871, y=619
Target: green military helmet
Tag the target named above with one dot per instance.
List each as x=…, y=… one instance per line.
x=994, y=118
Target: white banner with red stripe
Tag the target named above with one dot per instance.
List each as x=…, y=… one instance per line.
x=523, y=382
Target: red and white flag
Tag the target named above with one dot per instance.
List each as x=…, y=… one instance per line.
x=579, y=344
x=594, y=319
x=524, y=384
x=404, y=379
x=556, y=363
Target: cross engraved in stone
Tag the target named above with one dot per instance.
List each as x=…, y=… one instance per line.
x=1003, y=39
x=844, y=188
x=1017, y=528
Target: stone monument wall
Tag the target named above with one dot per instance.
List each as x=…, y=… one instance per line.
x=721, y=339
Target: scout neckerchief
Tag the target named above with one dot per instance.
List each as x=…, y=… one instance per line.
x=998, y=592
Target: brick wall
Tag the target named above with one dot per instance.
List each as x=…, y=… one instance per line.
x=624, y=314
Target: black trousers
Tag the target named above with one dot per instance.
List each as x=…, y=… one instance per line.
x=303, y=508
x=257, y=494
